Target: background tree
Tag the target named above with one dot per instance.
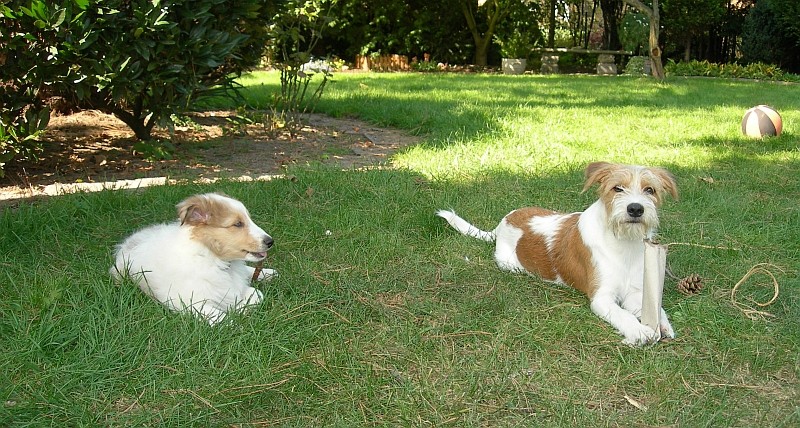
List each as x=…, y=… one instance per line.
x=769, y=36
x=724, y=39
x=654, y=19
x=788, y=14
x=582, y=17
x=552, y=7
x=612, y=17
x=416, y=27
x=686, y=21
x=409, y=27
x=483, y=17
x=702, y=29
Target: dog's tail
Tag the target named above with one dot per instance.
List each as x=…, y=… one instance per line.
x=465, y=227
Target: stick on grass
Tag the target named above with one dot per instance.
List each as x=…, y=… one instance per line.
x=258, y=268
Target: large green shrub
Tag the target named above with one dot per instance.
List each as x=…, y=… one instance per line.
x=767, y=38
x=23, y=114
x=141, y=60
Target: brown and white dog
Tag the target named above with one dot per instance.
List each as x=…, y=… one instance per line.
x=599, y=251
x=198, y=263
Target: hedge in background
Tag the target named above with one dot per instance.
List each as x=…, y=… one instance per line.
x=755, y=70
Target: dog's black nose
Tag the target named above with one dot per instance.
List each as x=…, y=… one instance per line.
x=268, y=242
x=635, y=210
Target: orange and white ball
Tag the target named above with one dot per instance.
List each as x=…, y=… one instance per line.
x=761, y=121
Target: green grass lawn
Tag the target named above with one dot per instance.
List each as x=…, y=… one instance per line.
x=384, y=316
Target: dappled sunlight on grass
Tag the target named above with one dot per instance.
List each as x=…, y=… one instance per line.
x=473, y=123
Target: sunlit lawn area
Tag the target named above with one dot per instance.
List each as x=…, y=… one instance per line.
x=384, y=316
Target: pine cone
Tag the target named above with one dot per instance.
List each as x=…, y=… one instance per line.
x=690, y=285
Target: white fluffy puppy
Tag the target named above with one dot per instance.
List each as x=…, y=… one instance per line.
x=198, y=263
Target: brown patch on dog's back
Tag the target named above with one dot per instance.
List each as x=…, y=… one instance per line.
x=572, y=258
x=569, y=259
x=521, y=217
x=531, y=249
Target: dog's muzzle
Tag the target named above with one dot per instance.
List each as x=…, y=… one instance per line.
x=266, y=244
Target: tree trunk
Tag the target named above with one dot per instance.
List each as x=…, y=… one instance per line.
x=687, y=48
x=655, y=50
x=139, y=121
x=496, y=12
x=611, y=16
x=551, y=30
x=482, y=52
x=141, y=127
x=480, y=58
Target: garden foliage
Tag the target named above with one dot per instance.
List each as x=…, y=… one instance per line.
x=141, y=60
x=295, y=31
x=756, y=70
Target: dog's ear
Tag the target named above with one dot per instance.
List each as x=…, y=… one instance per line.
x=667, y=181
x=596, y=172
x=193, y=210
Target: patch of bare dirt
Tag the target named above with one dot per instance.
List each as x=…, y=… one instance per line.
x=90, y=150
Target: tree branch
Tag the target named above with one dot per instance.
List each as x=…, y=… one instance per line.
x=641, y=7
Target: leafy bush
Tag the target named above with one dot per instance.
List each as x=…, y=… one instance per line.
x=572, y=62
x=154, y=150
x=426, y=66
x=21, y=122
x=295, y=31
x=636, y=66
x=23, y=114
x=141, y=60
x=408, y=27
x=516, y=45
x=750, y=71
x=634, y=31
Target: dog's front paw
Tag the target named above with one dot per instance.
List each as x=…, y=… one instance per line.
x=267, y=274
x=639, y=335
x=667, y=332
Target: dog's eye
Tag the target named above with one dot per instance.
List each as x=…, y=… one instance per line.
x=649, y=190
x=238, y=224
x=618, y=189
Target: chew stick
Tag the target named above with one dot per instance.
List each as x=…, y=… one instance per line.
x=258, y=267
x=655, y=263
